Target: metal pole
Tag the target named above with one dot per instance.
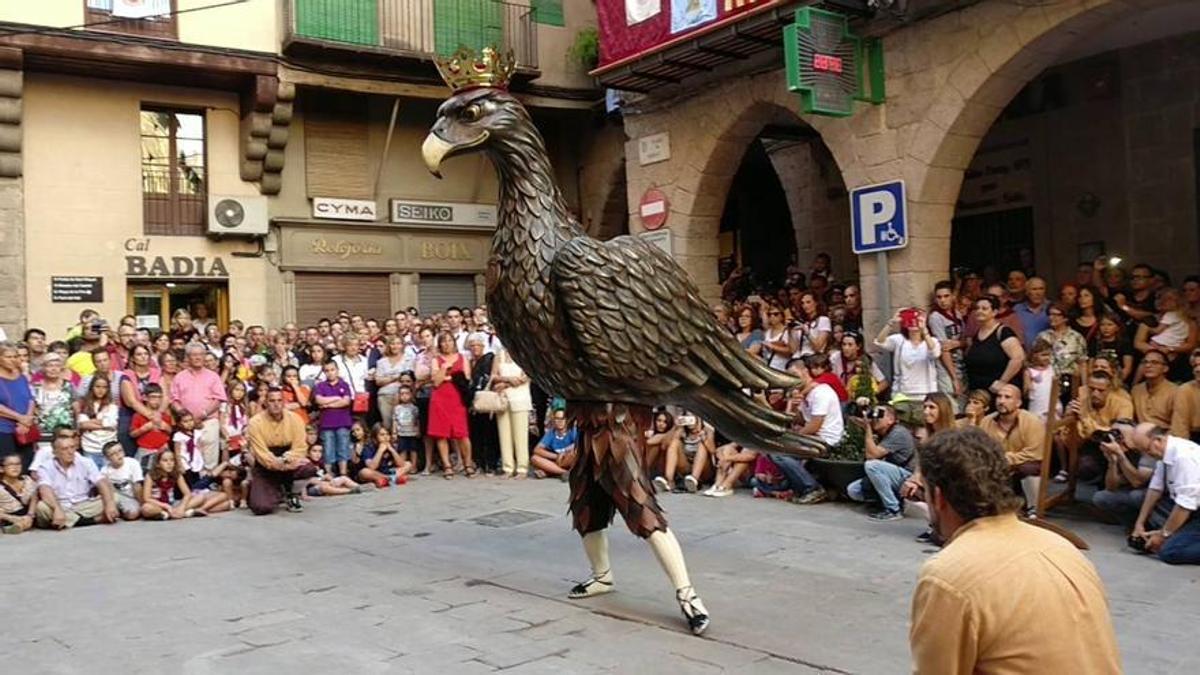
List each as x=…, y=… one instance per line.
x=387, y=145
x=884, y=288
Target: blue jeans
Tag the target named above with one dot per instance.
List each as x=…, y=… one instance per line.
x=769, y=488
x=1183, y=548
x=797, y=475
x=1124, y=504
x=337, y=445
x=883, y=482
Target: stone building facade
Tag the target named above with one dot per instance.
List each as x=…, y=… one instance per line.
x=948, y=80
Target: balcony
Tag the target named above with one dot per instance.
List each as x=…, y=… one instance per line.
x=408, y=34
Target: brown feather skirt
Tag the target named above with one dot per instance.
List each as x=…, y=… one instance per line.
x=607, y=476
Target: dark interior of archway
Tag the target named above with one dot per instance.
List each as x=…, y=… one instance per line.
x=614, y=221
x=756, y=212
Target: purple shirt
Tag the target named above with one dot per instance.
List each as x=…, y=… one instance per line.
x=334, y=418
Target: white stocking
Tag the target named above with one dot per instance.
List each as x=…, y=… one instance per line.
x=595, y=544
x=670, y=556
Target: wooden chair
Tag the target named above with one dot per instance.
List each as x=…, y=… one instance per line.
x=1037, y=488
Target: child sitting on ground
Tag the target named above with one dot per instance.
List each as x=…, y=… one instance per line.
x=152, y=436
x=324, y=485
x=733, y=462
x=380, y=459
x=125, y=476
x=165, y=494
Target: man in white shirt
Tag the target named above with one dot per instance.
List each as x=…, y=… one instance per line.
x=823, y=425
x=65, y=486
x=1174, y=533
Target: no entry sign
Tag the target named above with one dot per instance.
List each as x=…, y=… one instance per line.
x=653, y=209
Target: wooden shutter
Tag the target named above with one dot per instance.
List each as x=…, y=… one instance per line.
x=320, y=295
x=335, y=147
x=437, y=292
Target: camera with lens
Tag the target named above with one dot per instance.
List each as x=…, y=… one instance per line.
x=1106, y=436
x=1137, y=543
x=860, y=408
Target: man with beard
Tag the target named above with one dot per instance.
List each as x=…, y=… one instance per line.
x=1020, y=432
x=1002, y=596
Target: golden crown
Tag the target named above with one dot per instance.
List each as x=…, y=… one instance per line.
x=464, y=69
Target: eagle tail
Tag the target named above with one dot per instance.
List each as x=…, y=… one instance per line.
x=748, y=422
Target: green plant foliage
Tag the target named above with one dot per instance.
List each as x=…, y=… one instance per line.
x=586, y=49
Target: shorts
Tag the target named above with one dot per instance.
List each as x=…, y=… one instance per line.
x=408, y=444
x=313, y=490
x=198, y=483
x=337, y=445
x=128, y=506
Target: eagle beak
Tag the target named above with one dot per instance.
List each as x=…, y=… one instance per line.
x=435, y=149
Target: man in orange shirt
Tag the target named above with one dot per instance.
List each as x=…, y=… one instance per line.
x=1002, y=596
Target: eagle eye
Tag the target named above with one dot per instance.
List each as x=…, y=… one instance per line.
x=471, y=113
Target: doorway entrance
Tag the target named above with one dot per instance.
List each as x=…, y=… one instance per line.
x=153, y=304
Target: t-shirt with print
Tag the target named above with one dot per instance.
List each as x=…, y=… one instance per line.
x=822, y=401
x=407, y=420
x=125, y=478
x=900, y=444
x=944, y=328
x=558, y=444
x=335, y=418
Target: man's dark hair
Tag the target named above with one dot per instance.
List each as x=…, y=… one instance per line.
x=944, y=283
x=818, y=360
x=1191, y=279
x=323, y=320
x=452, y=308
x=1162, y=275
x=31, y=332
x=274, y=389
x=63, y=429
x=970, y=469
x=152, y=388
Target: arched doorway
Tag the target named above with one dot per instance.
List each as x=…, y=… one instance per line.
x=613, y=220
x=1096, y=155
x=785, y=204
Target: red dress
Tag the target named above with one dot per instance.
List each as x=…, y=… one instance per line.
x=447, y=414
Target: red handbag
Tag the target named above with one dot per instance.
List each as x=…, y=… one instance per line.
x=31, y=436
x=361, y=404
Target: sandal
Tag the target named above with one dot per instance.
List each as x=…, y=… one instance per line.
x=447, y=473
x=469, y=472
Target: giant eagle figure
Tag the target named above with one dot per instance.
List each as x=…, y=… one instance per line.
x=613, y=327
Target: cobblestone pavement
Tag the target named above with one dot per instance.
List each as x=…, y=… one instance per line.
x=469, y=577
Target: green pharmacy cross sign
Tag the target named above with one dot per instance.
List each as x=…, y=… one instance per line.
x=827, y=63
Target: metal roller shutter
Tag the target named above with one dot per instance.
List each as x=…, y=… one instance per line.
x=324, y=295
x=437, y=292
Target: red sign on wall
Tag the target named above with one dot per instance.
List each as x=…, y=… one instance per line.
x=653, y=209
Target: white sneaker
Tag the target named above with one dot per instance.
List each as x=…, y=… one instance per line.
x=691, y=483
x=709, y=491
x=719, y=492
x=661, y=484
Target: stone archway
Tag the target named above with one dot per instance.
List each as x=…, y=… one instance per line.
x=710, y=133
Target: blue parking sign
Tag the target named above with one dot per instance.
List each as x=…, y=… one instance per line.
x=878, y=218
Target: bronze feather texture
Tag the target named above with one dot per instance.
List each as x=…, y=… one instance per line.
x=614, y=322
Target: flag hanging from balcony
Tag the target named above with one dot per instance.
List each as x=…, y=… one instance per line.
x=140, y=9
x=688, y=14
x=637, y=11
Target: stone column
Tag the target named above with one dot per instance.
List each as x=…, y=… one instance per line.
x=480, y=290
x=287, y=296
x=405, y=291
x=13, y=299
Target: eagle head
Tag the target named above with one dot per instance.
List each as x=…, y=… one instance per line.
x=468, y=121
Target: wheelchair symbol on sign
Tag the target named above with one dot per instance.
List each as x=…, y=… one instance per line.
x=890, y=235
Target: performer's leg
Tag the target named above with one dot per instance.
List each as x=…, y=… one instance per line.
x=595, y=544
x=670, y=556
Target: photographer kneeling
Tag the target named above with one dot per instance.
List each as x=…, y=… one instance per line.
x=1169, y=526
x=1126, y=478
x=889, y=450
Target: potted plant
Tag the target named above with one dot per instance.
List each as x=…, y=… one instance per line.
x=586, y=49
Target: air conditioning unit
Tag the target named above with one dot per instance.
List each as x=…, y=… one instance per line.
x=237, y=216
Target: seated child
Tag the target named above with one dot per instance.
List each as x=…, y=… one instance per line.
x=151, y=435
x=125, y=475
x=733, y=462
x=323, y=484
x=380, y=459
x=165, y=494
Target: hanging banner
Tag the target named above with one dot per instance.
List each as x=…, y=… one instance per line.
x=637, y=11
x=688, y=14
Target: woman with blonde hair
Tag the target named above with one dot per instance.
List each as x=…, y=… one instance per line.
x=513, y=422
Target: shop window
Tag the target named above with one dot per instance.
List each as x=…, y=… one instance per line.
x=174, y=180
x=152, y=18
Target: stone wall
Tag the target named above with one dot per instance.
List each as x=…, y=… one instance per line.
x=12, y=196
x=947, y=81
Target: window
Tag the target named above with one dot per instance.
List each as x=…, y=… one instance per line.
x=174, y=182
x=159, y=16
x=549, y=12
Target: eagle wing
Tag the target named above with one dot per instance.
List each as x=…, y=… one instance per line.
x=639, y=320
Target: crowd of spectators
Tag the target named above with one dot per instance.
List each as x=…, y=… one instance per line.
x=118, y=422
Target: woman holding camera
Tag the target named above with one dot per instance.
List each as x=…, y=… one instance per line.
x=915, y=354
x=813, y=328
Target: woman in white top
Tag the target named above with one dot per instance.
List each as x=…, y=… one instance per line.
x=311, y=372
x=98, y=414
x=812, y=328
x=387, y=377
x=914, y=355
x=777, y=343
x=352, y=365
x=512, y=423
